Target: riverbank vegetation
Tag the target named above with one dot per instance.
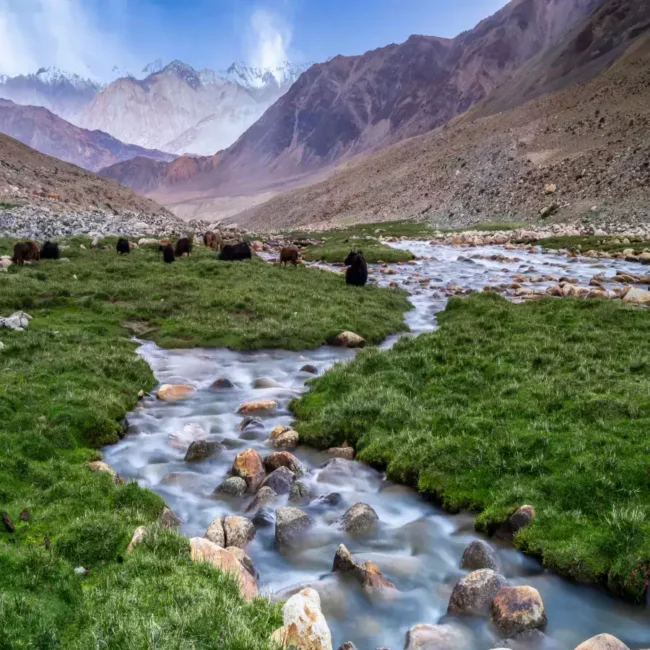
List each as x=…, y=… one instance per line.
x=545, y=403
x=65, y=383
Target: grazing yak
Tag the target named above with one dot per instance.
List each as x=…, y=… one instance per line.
x=183, y=247
x=168, y=253
x=235, y=252
x=212, y=240
x=123, y=247
x=357, y=273
x=25, y=252
x=289, y=255
x=50, y=251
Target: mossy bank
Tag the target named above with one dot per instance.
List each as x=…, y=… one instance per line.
x=545, y=403
x=66, y=382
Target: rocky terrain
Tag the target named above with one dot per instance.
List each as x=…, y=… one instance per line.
x=353, y=104
x=41, y=195
x=582, y=152
x=44, y=131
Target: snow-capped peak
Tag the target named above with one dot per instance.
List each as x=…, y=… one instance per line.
x=153, y=67
x=54, y=77
x=256, y=78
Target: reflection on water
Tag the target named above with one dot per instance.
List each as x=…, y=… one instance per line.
x=416, y=546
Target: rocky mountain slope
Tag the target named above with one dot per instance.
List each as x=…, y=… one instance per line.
x=42, y=130
x=182, y=110
x=53, y=187
x=584, y=150
x=357, y=104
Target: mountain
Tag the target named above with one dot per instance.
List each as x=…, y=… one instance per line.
x=42, y=130
x=183, y=110
x=585, y=131
x=62, y=93
x=356, y=104
x=30, y=177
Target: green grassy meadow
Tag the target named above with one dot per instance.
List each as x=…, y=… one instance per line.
x=65, y=384
x=545, y=403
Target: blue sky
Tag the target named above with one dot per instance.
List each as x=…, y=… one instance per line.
x=94, y=35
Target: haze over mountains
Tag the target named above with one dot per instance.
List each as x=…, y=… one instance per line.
x=173, y=108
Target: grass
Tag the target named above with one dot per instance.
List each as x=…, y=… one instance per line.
x=610, y=244
x=64, y=385
x=545, y=403
x=338, y=243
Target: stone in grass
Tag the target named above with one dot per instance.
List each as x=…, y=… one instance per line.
x=203, y=550
x=474, y=593
x=202, y=450
x=291, y=526
x=348, y=340
x=521, y=518
x=360, y=519
x=517, y=609
x=138, y=536
x=479, y=555
x=232, y=487
x=169, y=519
x=602, y=642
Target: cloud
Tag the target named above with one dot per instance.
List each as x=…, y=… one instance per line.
x=81, y=36
x=269, y=39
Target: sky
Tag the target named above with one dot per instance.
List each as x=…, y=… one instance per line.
x=90, y=37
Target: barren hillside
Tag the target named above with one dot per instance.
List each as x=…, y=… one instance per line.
x=582, y=150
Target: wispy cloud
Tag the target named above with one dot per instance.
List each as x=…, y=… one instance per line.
x=69, y=34
x=269, y=39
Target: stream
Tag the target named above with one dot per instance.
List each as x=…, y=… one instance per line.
x=417, y=546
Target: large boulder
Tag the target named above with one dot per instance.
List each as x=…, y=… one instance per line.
x=235, y=486
x=238, y=530
x=602, y=642
x=474, y=593
x=174, y=392
x=248, y=465
x=360, y=519
x=203, y=550
x=304, y=626
x=283, y=459
x=216, y=533
x=263, y=406
x=436, y=637
x=280, y=480
x=201, y=450
x=291, y=525
x=517, y=609
x=479, y=555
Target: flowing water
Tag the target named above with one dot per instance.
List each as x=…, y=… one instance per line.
x=417, y=546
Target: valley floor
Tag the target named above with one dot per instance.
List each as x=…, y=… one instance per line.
x=64, y=385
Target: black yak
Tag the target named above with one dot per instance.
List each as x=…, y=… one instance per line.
x=289, y=255
x=357, y=273
x=25, y=252
x=183, y=247
x=50, y=251
x=168, y=253
x=212, y=240
x=235, y=252
x=123, y=247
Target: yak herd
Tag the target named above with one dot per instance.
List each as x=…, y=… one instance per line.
x=356, y=274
